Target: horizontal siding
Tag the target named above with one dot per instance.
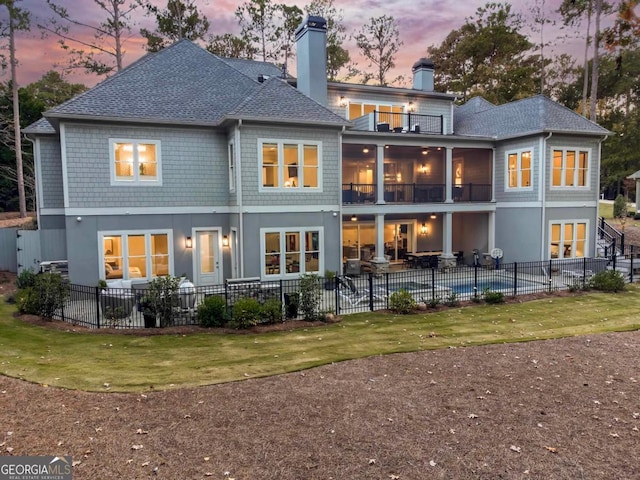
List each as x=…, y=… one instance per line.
x=331, y=187
x=194, y=167
x=51, y=173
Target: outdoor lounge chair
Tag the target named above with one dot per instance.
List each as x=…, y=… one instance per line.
x=354, y=296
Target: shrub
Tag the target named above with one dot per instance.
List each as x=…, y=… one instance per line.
x=452, y=300
x=246, y=313
x=162, y=294
x=272, y=311
x=620, y=207
x=26, y=279
x=608, y=281
x=402, y=302
x=493, y=298
x=433, y=302
x=27, y=301
x=212, y=312
x=310, y=294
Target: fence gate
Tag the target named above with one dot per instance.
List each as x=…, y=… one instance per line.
x=28, y=250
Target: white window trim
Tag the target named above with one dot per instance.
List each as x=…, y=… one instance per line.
x=136, y=182
x=562, y=223
x=519, y=153
x=233, y=178
x=125, y=257
x=281, y=188
x=282, y=231
x=564, y=151
x=376, y=103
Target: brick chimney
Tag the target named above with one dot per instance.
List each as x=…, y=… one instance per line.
x=311, y=54
x=423, y=75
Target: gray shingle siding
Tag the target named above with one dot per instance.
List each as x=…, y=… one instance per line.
x=51, y=173
x=194, y=167
x=250, y=169
x=517, y=195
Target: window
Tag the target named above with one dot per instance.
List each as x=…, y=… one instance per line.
x=131, y=255
x=135, y=162
x=232, y=168
x=568, y=240
x=570, y=168
x=519, y=169
x=391, y=114
x=290, y=165
x=290, y=252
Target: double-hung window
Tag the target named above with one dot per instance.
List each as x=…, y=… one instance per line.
x=570, y=168
x=290, y=165
x=135, y=162
x=135, y=254
x=291, y=251
x=519, y=169
x=568, y=239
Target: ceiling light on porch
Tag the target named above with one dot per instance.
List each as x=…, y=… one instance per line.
x=354, y=218
x=432, y=216
x=365, y=150
x=425, y=151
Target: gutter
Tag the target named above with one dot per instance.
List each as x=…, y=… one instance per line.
x=36, y=170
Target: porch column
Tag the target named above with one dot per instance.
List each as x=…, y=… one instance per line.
x=447, y=260
x=379, y=238
x=491, y=237
x=447, y=234
x=448, y=181
x=380, y=174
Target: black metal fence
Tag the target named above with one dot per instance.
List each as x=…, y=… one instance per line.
x=96, y=307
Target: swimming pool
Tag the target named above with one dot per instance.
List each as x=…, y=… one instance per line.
x=494, y=285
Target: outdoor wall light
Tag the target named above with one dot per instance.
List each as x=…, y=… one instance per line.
x=426, y=168
x=411, y=107
x=424, y=230
x=343, y=101
x=225, y=241
x=188, y=242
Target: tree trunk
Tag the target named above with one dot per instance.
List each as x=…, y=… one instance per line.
x=585, y=82
x=117, y=34
x=16, y=117
x=595, y=62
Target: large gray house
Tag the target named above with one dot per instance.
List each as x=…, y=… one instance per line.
x=186, y=162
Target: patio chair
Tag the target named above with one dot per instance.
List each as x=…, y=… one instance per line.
x=354, y=296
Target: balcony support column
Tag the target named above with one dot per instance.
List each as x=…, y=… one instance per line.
x=380, y=175
x=379, y=258
x=447, y=260
x=448, y=182
x=491, y=226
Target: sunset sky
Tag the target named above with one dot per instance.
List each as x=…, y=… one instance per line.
x=421, y=23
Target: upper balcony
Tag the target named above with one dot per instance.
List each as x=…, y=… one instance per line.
x=396, y=122
x=359, y=193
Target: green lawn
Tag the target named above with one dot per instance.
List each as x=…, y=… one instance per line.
x=88, y=361
x=605, y=210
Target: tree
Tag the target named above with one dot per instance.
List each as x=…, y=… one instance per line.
x=95, y=55
x=337, y=56
x=19, y=20
x=379, y=41
x=230, y=46
x=487, y=56
x=540, y=19
x=180, y=19
x=269, y=28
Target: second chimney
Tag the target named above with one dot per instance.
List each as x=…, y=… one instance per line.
x=423, y=75
x=311, y=54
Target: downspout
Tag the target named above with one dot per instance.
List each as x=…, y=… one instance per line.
x=344, y=128
x=239, y=197
x=598, y=193
x=543, y=190
x=36, y=170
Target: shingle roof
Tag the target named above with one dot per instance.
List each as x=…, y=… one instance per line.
x=254, y=68
x=41, y=126
x=275, y=100
x=531, y=115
